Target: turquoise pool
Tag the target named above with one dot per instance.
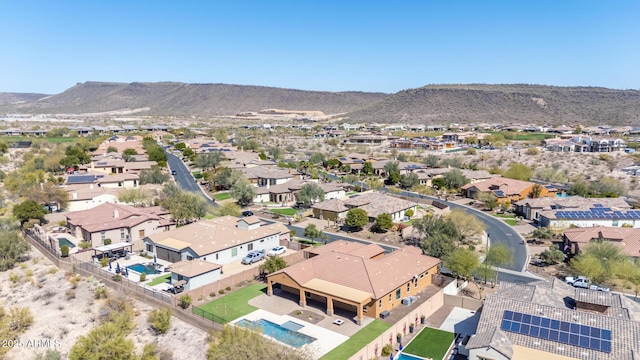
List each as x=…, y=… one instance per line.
x=64, y=241
x=403, y=356
x=141, y=268
x=282, y=334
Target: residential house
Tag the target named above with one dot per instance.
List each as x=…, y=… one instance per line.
x=193, y=274
x=286, y=192
x=598, y=215
x=627, y=239
x=220, y=241
x=553, y=320
x=530, y=208
x=269, y=176
x=119, y=223
x=88, y=196
x=366, y=140
x=374, y=203
x=357, y=278
x=506, y=189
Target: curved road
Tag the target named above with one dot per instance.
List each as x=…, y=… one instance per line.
x=184, y=178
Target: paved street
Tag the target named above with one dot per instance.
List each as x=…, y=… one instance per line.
x=184, y=178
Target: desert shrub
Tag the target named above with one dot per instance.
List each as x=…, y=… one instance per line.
x=53, y=270
x=74, y=280
x=387, y=350
x=409, y=213
x=532, y=151
x=143, y=277
x=64, y=250
x=228, y=288
x=221, y=291
x=116, y=278
x=70, y=294
x=104, y=261
x=212, y=294
x=84, y=245
x=19, y=319
x=107, y=241
x=160, y=320
x=13, y=277
x=62, y=223
x=100, y=292
x=49, y=355
x=185, y=301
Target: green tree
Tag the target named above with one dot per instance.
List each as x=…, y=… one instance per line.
x=438, y=183
x=462, y=263
x=489, y=200
x=160, y=320
x=536, y=191
x=455, y=179
x=210, y=160
x=608, y=186
x=184, y=206
x=112, y=149
x=468, y=225
x=309, y=194
x=409, y=180
x=432, y=161
x=438, y=245
x=153, y=176
x=384, y=222
x=275, y=152
x=367, y=168
x=552, y=255
x=228, y=209
x=543, y=233
x=28, y=210
x=225, y=178
x=130, y=152
x=519, y=172
x=391, y=167
x=317, y=158
x=136, y=197
x=273, y=264
x=312, y=232
x=12, y=248
x=243, y=192
x=394, y=178
x=357, y=218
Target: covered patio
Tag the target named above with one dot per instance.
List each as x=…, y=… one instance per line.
x=113, y=250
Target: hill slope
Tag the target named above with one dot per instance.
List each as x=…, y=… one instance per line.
x=13, y=98
x=443, y=104
x=168, y=98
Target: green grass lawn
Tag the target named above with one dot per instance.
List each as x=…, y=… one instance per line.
x=357, y=341
x=509, y=219
x=159, y=280
x=285, y=211
x=222, y=196
x=430, y=343
x=232, y=306
x=197, y=174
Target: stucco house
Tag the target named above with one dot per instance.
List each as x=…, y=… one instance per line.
x=193, y=274
x=119, y=223
x=627, y=239
x=357, y=278
x=374, y=203
x=506, y=189
x=598, y=215
x=220, y=241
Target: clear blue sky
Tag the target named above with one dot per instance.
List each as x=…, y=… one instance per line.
x=48, y=46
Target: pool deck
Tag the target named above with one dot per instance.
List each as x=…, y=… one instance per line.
x=326, y=340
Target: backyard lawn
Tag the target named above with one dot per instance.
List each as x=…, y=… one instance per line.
x=430, y=343
x=285, y=211
x=232, y=306
x=222, y=196
x=509, y=219
x=357, y=341
x=159, y=280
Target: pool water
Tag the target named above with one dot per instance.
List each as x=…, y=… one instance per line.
x=141, y=268
x=282, y=334
x=63, y=241
x=291, y=325
x=404, y=356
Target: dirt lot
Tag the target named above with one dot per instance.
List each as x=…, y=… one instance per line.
x=63, y=313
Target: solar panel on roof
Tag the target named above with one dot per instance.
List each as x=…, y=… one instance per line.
x=79, y=179
x=597, y=205
x=500, y=193
x=559, y=331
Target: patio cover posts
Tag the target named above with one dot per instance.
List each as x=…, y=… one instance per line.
x=112, y=248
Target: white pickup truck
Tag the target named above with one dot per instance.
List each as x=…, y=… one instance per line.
x=583, y=282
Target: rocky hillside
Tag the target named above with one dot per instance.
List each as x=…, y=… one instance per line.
x=168, y=98
x=15, y=98
x=507, y=104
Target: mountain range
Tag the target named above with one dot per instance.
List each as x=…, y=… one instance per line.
x=432, y=104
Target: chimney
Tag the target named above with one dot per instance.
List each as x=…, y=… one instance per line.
x=74, y=195
x=115, y=214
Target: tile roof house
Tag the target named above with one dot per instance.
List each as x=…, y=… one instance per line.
x=596, y=215
x=120, y=223
x=553, y=320
x=195, y=273
x=530, y=208
x=374, y=203
x=628, y=239
x=357, y=278
x=505, y=189
x=286, y=192
x=219, y=241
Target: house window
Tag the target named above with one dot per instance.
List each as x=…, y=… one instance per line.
x=379, y=303
x=398, y=294
x=103, y=236
x=262, y=240
x=141, y=233
x=216, y=256
x=189, y=257
x=250, y=247
x=149, y=248
x=408, y=286
x=389, y=297
x=121, y=233
x=234, y=252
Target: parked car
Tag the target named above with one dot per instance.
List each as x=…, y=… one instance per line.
x=599, y=287
x=278, y=250
x=253, y=256
x=247, y=213
x=584, y=283
x=173, y=172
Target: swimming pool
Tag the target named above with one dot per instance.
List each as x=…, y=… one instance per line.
x=141, y=268
x=282, y=334
x=64, y=241
x=403, y=356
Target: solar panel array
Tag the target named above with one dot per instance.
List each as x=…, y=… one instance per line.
x=81, y=179
x=559, y=331
x=499, y=193
x=599, y=212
